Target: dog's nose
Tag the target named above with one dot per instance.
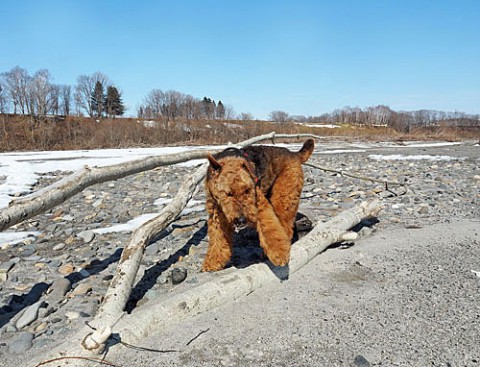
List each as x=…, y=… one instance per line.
x=240, y=222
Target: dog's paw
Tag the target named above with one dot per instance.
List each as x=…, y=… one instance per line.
x=211, y=267
x=279, y=258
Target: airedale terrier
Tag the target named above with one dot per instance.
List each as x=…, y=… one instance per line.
x=258, y=186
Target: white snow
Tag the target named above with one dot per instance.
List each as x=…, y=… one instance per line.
x=19, y=171
x=130, y=226
x=400, y=157
x=11, y=238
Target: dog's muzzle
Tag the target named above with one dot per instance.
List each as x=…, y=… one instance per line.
x=240, y=223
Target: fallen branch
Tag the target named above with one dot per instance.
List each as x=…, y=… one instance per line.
x=118, y=293
x=232, y=283
x=386, y=183
x=225, y=286
x=120, y=288
x=40, y=201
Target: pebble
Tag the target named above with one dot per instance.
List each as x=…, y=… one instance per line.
x=72, y=315
x=178, y=275
x=86, y=236
x=22, y=342
x=6, y=266
x=59, y=247
x=59, y=288
x=29, y=315
x=361, y=361
x=66, y=269
x=82, y=288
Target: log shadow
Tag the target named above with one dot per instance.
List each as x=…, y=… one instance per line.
x=150, y=276
x=16, y=303
x=365, y=223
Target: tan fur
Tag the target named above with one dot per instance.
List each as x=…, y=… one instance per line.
x=260, y=185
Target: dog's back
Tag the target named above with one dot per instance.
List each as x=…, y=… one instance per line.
x=269, y=161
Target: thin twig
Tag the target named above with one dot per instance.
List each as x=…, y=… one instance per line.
x=143, y=349
x=364, y=178
x=90, y=359
x=200, y=333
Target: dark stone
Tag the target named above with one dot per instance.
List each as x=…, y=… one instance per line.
x=361, y=361
x=178, y=275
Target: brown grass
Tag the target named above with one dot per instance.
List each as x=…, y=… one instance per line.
x=19, y=133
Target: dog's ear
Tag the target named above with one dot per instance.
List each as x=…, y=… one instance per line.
x=216, y=165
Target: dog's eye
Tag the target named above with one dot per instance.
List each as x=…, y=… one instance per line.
x=247, y=191
x=229, y=194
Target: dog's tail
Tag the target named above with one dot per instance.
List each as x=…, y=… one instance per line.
x=306, y=150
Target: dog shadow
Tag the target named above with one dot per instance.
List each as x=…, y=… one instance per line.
x=247, y=250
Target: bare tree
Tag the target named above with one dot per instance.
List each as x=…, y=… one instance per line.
x=154, y=103
x=190, y=107
x=3, y=98
x=41, y=93
x=245, y=116
x=172, y=104
x=278, y=116
x=16, y=81
x=65, y=99
x=84, y=88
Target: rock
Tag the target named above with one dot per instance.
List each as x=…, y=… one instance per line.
x=66, y=269
x=82, y=288
x=6, y=266
x=21, y=343
x=59, y=247
x=361, y=361
x=178, y=275
x=86, y=236
x=72, y=315
x=59, y=288
x=423, y=209
x=29, y=315
x=54, y=263
x=27, y=250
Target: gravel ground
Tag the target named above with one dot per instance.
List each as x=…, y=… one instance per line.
x=404, y=294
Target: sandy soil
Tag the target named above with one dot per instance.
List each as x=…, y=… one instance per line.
x=400, y=297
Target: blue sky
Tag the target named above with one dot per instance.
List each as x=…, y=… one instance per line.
x=302, y=57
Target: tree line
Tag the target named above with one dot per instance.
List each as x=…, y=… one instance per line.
x=95, y=95
x=37, y=95
x=384, y=116
x=171, y=105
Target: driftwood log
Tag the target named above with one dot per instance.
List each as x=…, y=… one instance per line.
x=229, y=284
x=122, y=283
x=221, y=287
x=40, y=201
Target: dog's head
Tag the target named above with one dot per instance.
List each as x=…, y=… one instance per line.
x=231, y=181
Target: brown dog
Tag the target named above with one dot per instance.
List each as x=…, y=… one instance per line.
x=259, y=186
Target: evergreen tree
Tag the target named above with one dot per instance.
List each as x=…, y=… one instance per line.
x=98, y=99
x=220, y=111
x=113, y=102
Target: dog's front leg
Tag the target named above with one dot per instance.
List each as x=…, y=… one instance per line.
x=273, y=238
x=220, y=235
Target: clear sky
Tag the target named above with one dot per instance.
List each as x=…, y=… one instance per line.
x=302, y=57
